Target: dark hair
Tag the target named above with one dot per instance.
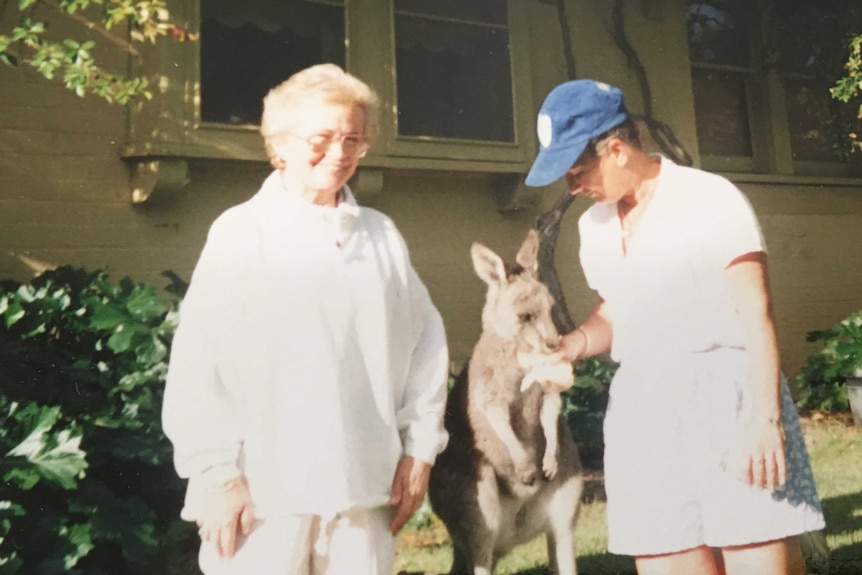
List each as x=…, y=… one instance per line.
x=627, y=131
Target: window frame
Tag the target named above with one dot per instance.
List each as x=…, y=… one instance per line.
x=769, y=125
x=756, y=92
x=170, y=125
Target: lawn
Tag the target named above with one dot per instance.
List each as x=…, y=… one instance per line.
x=835, y=446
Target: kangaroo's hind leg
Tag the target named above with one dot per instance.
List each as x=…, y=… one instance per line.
x=562, y=511
x=486, y=531
x=473, y=517
x=467, y=562
x=549, y=415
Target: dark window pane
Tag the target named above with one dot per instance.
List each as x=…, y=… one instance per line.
x=811, y=118
x=721, y=113
x=716, y=34
x=813, y=37
x=490, y=11
x=454, y=80
x=249, y=47
x=800, y=57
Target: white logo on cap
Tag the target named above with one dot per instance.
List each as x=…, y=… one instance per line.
x=544, y=129
x=603, y=86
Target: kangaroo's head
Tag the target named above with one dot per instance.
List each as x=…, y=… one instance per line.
x=517, y=305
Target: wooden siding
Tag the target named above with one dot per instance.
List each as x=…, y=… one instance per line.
x=65, y=196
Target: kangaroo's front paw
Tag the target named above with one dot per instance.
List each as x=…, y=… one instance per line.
x=527, y=472
x=550, y=465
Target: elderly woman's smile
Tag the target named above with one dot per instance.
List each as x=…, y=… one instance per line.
x=321, y=151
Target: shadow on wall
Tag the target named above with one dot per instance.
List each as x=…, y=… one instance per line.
x=22, y=267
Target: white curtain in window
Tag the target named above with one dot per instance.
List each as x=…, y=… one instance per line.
x=301, y=18
x=436, y=37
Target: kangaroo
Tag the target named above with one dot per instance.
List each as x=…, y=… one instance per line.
x=511, y=469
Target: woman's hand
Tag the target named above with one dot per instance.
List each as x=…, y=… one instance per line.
x=761, y=461
x=408, y=490
x=227, y=512
x=573, y=346
x=592, y=337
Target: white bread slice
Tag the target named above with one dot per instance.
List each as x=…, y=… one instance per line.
x=548, y=371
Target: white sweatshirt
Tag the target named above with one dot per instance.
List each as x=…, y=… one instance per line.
x=309, y=358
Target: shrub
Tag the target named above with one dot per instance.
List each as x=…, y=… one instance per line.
x=821, y=379
x=584, y=406
x=89, y=485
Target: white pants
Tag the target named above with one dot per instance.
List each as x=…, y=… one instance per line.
x=356, y=542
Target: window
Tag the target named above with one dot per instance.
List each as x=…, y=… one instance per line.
x=249, y=47
x=722, y=74
x=756, y=115
x=813, y=116
x=453, y=78
x=453, y=69
x=811, y=113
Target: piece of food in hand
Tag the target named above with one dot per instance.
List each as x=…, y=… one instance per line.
x=557, y=376
x=529, y=360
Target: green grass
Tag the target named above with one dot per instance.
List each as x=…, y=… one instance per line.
x=836, y=457
x=835, y=447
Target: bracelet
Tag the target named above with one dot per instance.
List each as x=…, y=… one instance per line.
x=226, y=486
x=586, y=342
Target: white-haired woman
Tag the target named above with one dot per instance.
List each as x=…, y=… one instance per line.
x=307, y=378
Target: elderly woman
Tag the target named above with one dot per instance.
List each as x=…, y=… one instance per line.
x=706, y=470
x=307, y=378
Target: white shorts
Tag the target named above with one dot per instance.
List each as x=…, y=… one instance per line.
x=670, y=424
x=356, y=542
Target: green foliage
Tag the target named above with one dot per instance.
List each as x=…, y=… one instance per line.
x=422, y=518
x=70, y=60
x=820, y=381
x=88, y=482
x=849, y=88
x=584, y=406
x=54, y=457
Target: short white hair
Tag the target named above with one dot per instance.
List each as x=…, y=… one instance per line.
x=322, y=83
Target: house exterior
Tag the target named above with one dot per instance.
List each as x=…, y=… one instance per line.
x=133, y=191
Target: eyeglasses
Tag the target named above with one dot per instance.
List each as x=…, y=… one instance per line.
x=352, y=145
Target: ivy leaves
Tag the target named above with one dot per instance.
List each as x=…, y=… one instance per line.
x=89, y=485
x=72, y=61
x=850, y=86
x=821, y=379
x=46, y=452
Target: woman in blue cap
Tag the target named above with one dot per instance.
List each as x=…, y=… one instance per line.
x=706, y=469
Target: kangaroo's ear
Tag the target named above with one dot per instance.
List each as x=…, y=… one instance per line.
x=488, y=265
x=528, y=255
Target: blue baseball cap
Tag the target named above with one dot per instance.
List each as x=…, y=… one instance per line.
x=573, y=113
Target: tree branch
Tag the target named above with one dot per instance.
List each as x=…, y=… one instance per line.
x=93, y=27
x=567, y=38
x=548, y=224
x=660, y=132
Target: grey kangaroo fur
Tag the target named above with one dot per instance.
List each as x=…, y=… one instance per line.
x=511, y=469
